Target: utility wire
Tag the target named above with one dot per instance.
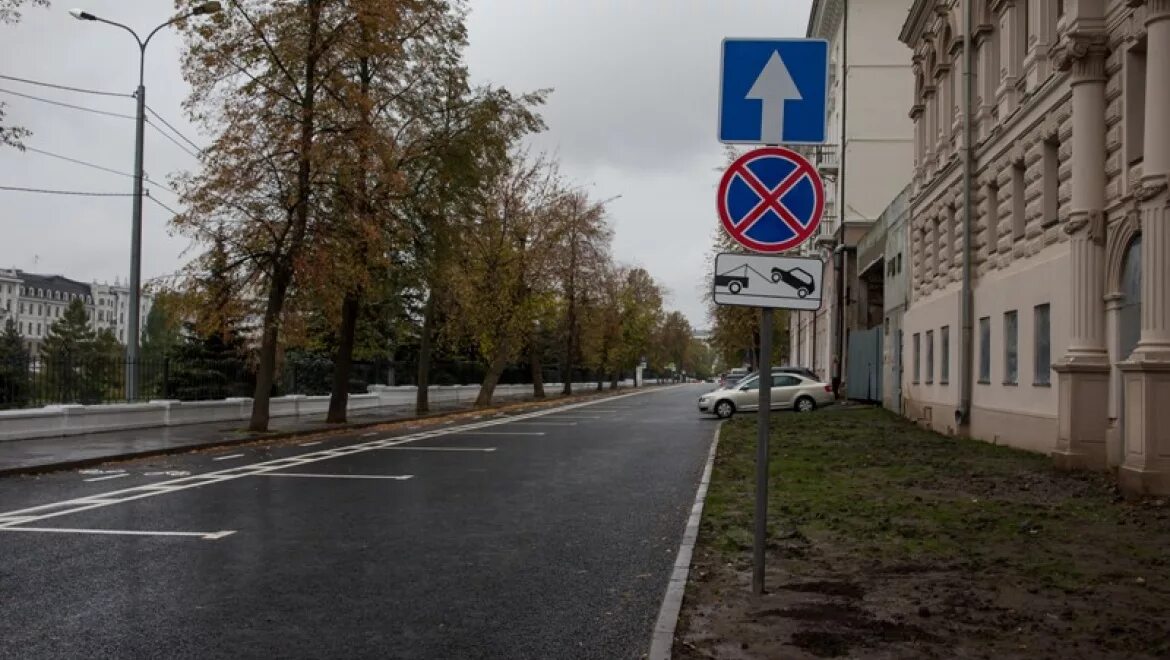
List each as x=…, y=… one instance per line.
x=173, y=211
x=66, y=105
x=175, y=130
x=168, y=136
x=66, y=87
x=78, y=193
x=145, y=180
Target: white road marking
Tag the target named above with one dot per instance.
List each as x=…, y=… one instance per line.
x=208, y=536
x=309, y=444
x=68, y=507
x=109, y=476
x=228, y=457
x=575, y=418
x=528, y=423
x=484, y=449
x=167, y=473
x=97, y=471
x=370, y=435
x=499, y=433
x=396, y=477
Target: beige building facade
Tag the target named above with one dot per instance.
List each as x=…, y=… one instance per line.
x=1069, y=252
x=868, y=159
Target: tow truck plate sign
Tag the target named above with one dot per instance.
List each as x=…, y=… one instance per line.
x=752, y=280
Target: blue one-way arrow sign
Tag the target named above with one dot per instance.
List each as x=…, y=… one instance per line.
x=774, y=91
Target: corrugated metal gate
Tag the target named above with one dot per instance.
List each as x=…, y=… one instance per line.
x=864, y=377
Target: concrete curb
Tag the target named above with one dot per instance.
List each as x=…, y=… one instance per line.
x=662, y=641
x=274, y=437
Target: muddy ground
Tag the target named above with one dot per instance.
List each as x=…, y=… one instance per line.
x=887, y=541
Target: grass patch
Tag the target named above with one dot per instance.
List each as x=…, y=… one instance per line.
x=924, y=524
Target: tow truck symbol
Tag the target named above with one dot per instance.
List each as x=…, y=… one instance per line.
x=738, y=278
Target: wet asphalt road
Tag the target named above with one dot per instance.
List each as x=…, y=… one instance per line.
x=553, y=537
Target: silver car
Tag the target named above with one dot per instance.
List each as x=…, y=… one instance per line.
x=800, y=393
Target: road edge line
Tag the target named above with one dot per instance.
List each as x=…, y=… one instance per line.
x=662, y=639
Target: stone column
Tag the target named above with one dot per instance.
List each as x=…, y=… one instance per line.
x=1083, y=372
x=1114, y=443
x=1147, y=373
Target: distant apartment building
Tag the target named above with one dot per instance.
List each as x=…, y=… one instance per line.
x=1069, y=347
x=35, y=302
x=867, y=161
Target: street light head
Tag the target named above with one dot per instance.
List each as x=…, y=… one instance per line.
x=82, y=15
x=206, y=8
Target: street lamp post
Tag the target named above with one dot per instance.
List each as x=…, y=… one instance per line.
x=133, y=334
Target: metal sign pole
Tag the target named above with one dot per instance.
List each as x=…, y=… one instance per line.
x=762, y=418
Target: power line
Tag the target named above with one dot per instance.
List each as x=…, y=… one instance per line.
x=173, y=211
x=145, y=180
x=176, y=131
x=78, y=193
x=66, y=105
x=168, y=136
x=66, y=87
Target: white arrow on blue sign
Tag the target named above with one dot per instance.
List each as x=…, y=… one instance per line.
x=774, y=91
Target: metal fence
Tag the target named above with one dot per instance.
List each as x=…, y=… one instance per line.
x=32, y=381
x=29, y=381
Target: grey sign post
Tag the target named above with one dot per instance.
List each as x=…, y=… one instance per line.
x=770, y=200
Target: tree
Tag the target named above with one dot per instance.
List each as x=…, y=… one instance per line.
x=67, y=357
x=257, y=74
x=10, y=13
x=14, y=372
x=584, y=252
x=674, y=340
x=162, y=331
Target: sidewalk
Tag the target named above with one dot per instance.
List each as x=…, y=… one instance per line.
x=48, y=454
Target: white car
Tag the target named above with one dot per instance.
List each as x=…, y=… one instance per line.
x=789, y=390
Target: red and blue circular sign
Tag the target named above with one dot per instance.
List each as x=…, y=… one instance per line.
x=771, y=199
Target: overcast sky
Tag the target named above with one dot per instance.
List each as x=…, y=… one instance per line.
x=633, y=114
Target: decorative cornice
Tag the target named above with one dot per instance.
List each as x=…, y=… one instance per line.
x=917, y=110
x=998, y=6
x=981, y=33
x=1157, y=10
x=1083, y=53
x=1092, y=221
x=1150, y=187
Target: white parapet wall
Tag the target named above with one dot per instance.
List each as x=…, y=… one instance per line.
x=67, y=420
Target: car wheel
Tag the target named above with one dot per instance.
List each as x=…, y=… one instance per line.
x=724, y=409
x=802, y=292
x=805, y=404
x=734, y=287
x=776, y=278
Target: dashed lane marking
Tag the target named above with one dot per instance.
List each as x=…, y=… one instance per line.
x=11, y=519
x=228, y=457
x=108, y=476
x=207, y=536
x=483, y=449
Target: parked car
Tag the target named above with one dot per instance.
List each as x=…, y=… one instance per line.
x=789, y=390
x=800, y=371
x=797, y=278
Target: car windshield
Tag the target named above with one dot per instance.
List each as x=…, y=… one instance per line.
x=748, y=383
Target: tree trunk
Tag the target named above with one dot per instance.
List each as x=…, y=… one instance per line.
x=283, y=271
x=266, y=372
x=422, y=400
x=614, y=384
x=491, y=379
x=537, y=373
x=343, y=361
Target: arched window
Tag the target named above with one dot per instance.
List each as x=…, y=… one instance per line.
x=1130, y=330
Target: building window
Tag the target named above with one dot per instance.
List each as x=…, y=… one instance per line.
x=1011, y=362
x=929, y=357
x=1041, y=329
x=1019, y=204
x=992, y=218
x=1051, y=182
x=899, y=263
x=985, y=350
x=1135, y=102
x=38, y=329
x=22, y=308
x=944, y=355
x=917, y=357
